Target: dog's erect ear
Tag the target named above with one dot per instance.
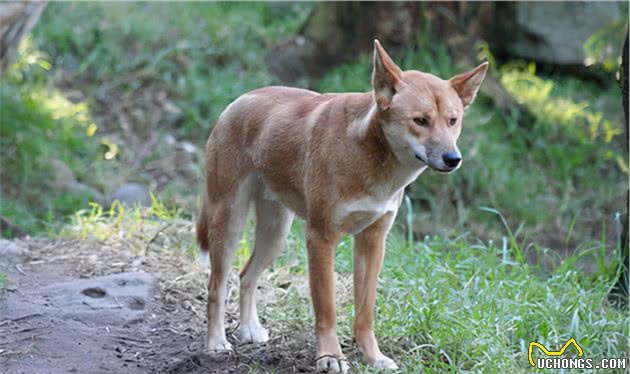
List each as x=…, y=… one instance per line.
x=467, y=84
x=385, y=76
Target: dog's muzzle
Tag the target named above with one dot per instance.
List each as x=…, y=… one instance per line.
x=451, y=165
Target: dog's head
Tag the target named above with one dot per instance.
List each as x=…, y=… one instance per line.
x=421, y=114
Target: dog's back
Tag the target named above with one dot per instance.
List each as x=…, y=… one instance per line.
x=252, y=124
x=341, y=162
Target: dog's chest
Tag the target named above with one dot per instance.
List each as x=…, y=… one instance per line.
x=355, y=215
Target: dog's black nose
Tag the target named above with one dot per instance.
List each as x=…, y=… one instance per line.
x=452, y=159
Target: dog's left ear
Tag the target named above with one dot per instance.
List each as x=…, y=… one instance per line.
x=385, y=76
x=467, y=84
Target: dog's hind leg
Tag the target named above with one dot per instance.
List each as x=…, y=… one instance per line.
x=225, y=219
x=273, y=222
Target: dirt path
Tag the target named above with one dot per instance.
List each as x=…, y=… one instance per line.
x=86, y=307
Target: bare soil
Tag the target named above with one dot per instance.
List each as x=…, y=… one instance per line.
x=83, y=306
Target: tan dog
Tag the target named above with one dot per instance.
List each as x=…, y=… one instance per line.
x=340, y=162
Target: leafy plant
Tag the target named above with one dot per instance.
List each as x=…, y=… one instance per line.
x=39, y=126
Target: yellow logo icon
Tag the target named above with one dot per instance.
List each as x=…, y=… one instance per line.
x=560, y=352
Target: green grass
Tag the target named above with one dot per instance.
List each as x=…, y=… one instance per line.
x=565, y=170
x=477, y=303
x=39, y=126
x=203, y=55
x=99, y=223
x=473, y=302
x=555, y=182
x=200, y=55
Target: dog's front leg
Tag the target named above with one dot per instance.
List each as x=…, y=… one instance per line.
x=321, y=247
x=369, y=249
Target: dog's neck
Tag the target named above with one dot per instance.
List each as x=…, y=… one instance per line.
x=367, y=130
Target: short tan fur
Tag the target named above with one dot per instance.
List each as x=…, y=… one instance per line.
x=341, y=163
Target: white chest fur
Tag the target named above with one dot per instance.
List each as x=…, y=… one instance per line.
x=357, y=214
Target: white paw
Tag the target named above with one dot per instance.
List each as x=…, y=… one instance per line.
x=218, y=345
x=384, y=362
x=252, y=333
x=330, y=364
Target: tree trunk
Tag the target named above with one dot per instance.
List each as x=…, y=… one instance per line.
x=16, y=20
x=464, y=26
x=336, y=32
x=620, y=291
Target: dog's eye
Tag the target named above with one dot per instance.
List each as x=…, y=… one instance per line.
x=452, y=121
x=421, y=121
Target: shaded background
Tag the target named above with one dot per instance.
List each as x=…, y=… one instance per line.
x=106, y=101
x=114, y=101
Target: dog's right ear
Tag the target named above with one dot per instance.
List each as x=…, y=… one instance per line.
x=385, y=77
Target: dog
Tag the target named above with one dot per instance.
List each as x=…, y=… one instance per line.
x=340, y=162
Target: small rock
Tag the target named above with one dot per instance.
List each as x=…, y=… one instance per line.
x=170, y=139
x=132, y=194
x=188, y=147
x=11, y=248
x=62, y=175
x=79, y=188
x=64, y=180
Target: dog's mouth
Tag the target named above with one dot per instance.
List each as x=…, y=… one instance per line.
x=446, y=171
x=421, y=159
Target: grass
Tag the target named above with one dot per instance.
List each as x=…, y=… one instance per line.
x=41, y=126
x=200, y=56
x=137, y=224
x=482, y=307
x=443, y=305
x=204, y=56
x=448, y=301
x=101, y=47
x=466, y=305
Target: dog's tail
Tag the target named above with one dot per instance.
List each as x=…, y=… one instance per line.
x=202, y=234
